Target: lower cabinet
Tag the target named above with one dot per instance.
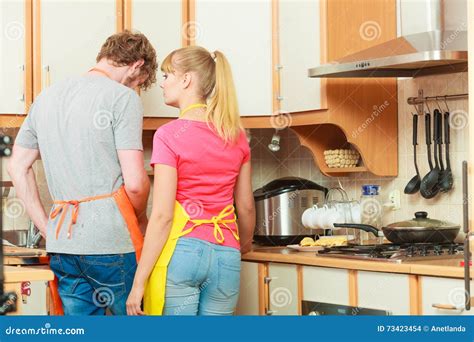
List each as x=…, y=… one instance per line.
x=268, y=289
x=32, y=297
x=384, y=291
x=250, y=285
x=443, y=296
x=283, y=296
x=326, y=285
x=278, y=289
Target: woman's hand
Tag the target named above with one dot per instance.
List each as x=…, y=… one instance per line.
x=134, y=301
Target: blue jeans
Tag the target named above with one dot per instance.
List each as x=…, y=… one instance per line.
x=89, y=284
x=203, y=279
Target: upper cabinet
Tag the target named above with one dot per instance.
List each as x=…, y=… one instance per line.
x=242, y=30
x=268, y=61
x=68, y=36
x=15, y=47
x=162, y=23
x=301, y=45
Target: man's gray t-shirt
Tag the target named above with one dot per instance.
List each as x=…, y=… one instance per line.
x=78, y=125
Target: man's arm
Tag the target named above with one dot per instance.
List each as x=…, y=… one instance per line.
x=137, y=184
x=23, y=178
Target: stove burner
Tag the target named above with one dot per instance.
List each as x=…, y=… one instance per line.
x=395, y=252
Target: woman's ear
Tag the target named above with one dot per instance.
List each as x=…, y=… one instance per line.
x=186, y=81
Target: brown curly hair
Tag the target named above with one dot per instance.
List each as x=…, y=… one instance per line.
x=125, y=48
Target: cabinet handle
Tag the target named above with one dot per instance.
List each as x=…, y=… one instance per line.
x=267, y=280
x=22, y=87
x=448, y=307
x=269, y=312
x=451, y=307
x=280, y=98
x=47, y=76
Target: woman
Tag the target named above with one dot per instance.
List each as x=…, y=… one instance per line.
x=191, y=258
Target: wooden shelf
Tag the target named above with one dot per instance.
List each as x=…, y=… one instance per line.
x=340, y=171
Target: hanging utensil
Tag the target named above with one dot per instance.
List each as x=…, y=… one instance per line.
x=413, y=185
x=428, y=187
x=446, y=182
x=439, y=119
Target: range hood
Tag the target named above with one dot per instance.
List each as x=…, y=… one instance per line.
x=443, y=49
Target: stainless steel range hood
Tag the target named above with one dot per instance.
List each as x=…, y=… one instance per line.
x=437, y=44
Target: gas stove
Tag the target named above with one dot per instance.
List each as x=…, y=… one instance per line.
x=396, y=253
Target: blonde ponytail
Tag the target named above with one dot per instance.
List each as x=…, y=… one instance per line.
x=216, y=85
x=223, y=109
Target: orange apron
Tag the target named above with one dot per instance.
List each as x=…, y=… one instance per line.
x=128, y=214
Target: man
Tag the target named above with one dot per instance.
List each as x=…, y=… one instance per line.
x=88, y=130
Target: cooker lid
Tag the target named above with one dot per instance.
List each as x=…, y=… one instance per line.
x=286, y=184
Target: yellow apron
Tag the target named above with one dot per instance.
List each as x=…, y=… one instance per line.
x=154, y=297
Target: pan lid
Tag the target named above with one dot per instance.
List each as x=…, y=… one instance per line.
x=422, y=221
x=286, y=184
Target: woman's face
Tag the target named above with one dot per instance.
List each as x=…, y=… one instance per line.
x=172, y=88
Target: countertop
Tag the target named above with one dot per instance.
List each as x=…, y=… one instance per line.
x=449, y=267
x=15, y=274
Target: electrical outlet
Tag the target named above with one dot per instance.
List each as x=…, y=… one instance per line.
x=394, y=200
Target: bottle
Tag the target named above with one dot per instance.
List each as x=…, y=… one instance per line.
x=371, y=210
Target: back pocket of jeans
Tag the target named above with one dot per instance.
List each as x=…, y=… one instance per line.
x=184, y=265
x=228, y=282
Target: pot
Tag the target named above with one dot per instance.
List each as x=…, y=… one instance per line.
x=418, y=230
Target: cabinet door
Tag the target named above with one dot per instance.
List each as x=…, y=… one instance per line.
x=299, y=41
x=242, y=30
x=283, y=289
x=161, y=22
x=326, y=285
x=384, y=291
x=72, y=33
x=448, y=291
x=12, y=57
x=248, y=303
x=33, y=304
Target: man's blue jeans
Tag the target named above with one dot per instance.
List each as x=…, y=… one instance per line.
x=89, y=284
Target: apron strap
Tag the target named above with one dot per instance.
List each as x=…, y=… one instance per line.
x=62, y=207
x=216, y=221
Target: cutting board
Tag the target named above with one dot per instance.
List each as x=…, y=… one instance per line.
x=22, y=251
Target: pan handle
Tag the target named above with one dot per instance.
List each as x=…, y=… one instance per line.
x=364, y=227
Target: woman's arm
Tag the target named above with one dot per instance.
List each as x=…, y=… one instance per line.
x=157, y=232
x=245, y=206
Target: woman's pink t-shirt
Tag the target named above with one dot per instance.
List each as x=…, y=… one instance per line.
x=207, y=171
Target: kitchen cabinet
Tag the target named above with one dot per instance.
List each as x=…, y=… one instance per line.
x=326, y=285
x=15, y=64
x=444, y=291
x=247, y=45
x=300, y=48
x=384, y=291
x=269, y=63
x=31, y=286
x=68, y=36
x=283, y=296
x=248, y=303
x=268, y=289
x=165, y=34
